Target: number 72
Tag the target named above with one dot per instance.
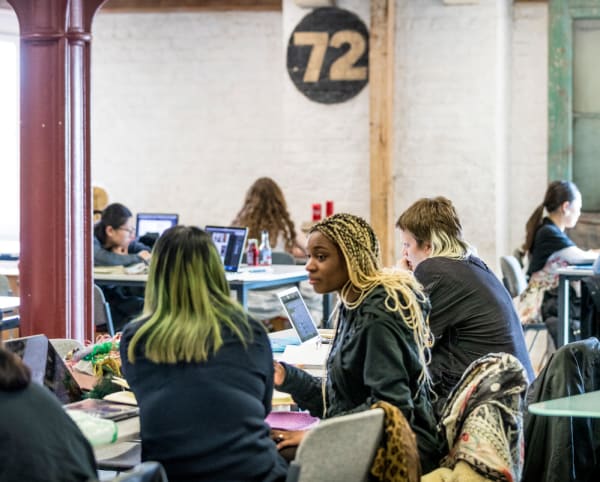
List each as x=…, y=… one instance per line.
x=342, y=68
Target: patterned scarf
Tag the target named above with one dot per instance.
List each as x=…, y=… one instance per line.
x=397, y=459
x=483, y=418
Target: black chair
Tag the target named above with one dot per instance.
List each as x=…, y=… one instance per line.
x=144, y=472
x=126, y=460
x=9, y=323
x=102, y=314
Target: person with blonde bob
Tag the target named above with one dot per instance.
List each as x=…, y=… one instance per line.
x=472, y=313
x=200, y=368
x=381, y=345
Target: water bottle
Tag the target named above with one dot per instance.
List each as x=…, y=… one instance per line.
x=252, y=253
x=264, y=249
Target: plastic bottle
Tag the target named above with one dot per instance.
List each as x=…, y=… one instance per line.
x=99, y=431
x=252, y=253
x=264, y=249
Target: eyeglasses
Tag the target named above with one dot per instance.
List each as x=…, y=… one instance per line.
x=131, y=231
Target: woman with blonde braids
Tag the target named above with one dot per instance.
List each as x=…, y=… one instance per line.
x=381, y=347
x=265, y=209
x=200, y=368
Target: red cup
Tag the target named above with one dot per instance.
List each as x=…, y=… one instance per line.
x=316, y=208
x=328, y=208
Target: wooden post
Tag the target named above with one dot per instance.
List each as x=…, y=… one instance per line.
x=56, y=255
x=381, y=79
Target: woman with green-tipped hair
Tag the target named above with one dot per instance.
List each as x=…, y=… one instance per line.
x=200, y=368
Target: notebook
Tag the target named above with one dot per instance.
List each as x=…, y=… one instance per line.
x=47, y=366
x=154, y=223
x=311, y=352
x=230, y=243
x=104, y=409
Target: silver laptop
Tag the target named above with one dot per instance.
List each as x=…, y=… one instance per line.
x=230, y=243
x=299, y=316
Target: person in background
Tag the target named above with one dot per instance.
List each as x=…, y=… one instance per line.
x=115, y=245
x=38, y=440
x=114, y=239
x=382, y=339
x=472, y=313
x=549, y=248
x=265, y=208
x=200, y=368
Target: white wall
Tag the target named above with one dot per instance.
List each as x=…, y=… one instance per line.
x=188, y=109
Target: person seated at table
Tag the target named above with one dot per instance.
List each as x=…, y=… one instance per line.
x=472, y=313
x=548, y=248
x=115, y=245
x=201, y=369
x=38, y=440
x=114, y=239
x=265, y=208
x=382, y=339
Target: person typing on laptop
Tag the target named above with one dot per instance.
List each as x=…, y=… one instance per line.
x=382, y=339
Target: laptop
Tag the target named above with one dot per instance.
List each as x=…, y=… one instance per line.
x=299, y=316
x=230, y=243
x=154, y=223
x=47, y=366
x=311, y=352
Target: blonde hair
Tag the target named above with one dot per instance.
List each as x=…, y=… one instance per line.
x=359, y=246
x=187, y=301
x=435, y=221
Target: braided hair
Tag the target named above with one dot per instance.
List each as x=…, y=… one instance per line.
x=265, y=209
x=360, y=248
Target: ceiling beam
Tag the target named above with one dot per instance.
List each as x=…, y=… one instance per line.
x=190, y=5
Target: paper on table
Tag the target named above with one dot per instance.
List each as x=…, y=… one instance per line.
x=291, y=420
x=305, y=355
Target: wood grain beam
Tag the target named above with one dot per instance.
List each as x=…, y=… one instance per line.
x=381, y=88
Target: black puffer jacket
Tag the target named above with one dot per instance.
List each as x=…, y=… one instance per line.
x=563, y=449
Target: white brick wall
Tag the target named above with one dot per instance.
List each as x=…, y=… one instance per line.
x=208, y=106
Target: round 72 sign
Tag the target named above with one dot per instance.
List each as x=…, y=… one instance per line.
x=328, y=55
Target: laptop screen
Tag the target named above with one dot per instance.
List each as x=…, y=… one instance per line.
x=155, y=223
x=47, y=367
x=230, y=242
x=298, y=313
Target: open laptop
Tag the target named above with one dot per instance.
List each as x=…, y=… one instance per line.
x=230, y=243
x=311, y=352
x=47, y=367
x=154, y=223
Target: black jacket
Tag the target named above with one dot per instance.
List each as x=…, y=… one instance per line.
x=373, y=357
x=563, y=449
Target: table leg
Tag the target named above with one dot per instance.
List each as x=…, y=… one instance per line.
x=563, y=311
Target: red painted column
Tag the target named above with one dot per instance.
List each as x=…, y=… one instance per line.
x=55, y=267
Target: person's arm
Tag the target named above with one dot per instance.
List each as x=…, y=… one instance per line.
x=575, y=255
x=304, y=388
x=104, y=257
x=430, y=276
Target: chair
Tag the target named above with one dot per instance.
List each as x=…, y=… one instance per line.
x=102, y=315
x=4, y=286
x=126, y=460
x=282, y=257
x=515, y=282
x=513, y=276
x=9, y=323
x=349, y=442
x=144, y=472
x=560, y=448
